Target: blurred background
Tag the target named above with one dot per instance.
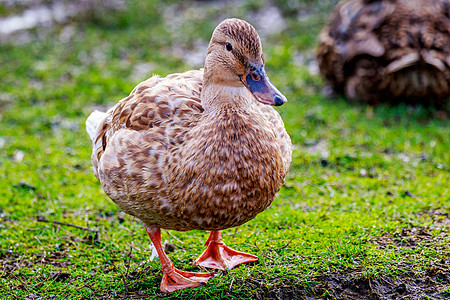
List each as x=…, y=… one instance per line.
x=364, y=179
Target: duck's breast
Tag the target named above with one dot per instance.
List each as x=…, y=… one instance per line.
x=229, y=172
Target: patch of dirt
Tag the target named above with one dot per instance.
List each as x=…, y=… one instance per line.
x=413, y=236
x=11, y=261
x=440, y=217
x=410, y=238
x=432, y=284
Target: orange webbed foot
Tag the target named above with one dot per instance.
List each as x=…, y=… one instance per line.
x=175, y=280
x=219, y=256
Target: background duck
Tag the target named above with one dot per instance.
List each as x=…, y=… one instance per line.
x=197, y=150
x=388, y=51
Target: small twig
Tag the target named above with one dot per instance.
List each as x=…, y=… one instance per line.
x=55, y=277
x=23, y=284
x=384, y=280
x=125, y=228
x=10, y=272
x=83, y=286
x=43, y=219
x=44, y=254
x=124, y=283
x=56, y=226
x=22, y=257
x=178, y=240
x=262, y=255
x=34, y=229
x=235, y=232
x=40, y=271
x=231, y=285
x=441, y=265
x=3, y=272
x=65, y=297
x=127, y=264
x=127, y=268
x=282, y=247
x=90, y=287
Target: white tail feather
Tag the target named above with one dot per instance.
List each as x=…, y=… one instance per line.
x=92, y=122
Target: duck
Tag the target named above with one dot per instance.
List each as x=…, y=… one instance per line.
x=395, y=51
x=199, y=150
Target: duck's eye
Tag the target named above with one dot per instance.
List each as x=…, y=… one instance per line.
x=229, y=47
x=255, y=77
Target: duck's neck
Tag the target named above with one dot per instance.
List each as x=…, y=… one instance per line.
x=217, y=98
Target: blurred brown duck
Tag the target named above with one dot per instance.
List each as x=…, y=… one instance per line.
x=388, y=51
x=197, y=150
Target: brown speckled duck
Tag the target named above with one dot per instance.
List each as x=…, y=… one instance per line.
x=198, y=150
x=388, y=51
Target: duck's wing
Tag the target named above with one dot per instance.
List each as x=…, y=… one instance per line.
x=132, y=142
x=153, y=103
x=284, y=140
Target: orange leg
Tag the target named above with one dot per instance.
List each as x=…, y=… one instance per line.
x=174, y=279
x=219, y=256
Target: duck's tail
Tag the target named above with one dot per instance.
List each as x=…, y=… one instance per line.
x=92, y=122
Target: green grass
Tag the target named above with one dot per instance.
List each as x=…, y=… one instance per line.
x=359, y=174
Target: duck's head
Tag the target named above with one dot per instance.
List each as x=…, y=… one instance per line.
x=235, y=59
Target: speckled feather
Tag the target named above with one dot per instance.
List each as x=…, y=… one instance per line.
x=163, y=160
x=388, y=50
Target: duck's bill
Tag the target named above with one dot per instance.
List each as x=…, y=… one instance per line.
x=260, y=86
